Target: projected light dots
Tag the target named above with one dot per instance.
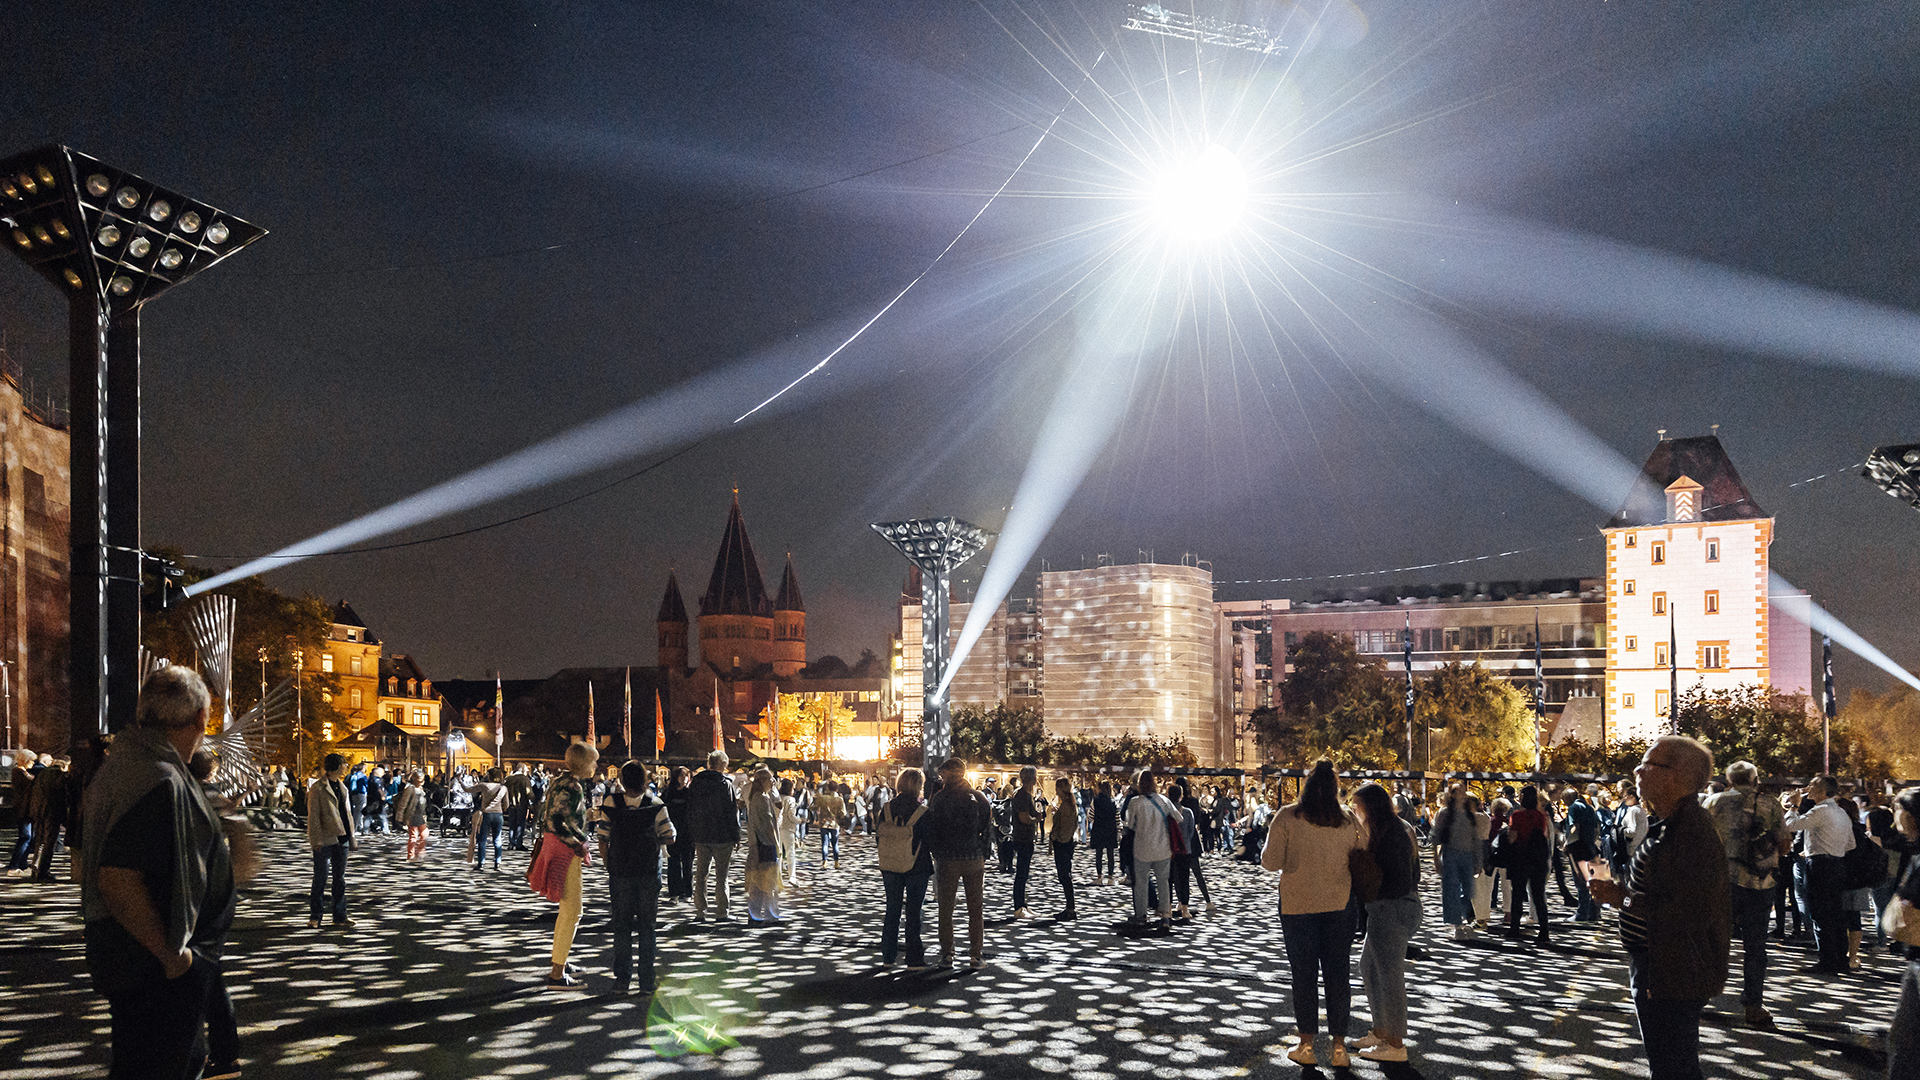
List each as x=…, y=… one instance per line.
x=1202, y=197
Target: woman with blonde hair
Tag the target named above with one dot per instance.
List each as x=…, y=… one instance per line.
x=763, y=851
x=410, y=812
x=563, y=853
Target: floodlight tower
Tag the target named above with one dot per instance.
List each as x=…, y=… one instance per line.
x=937, y=546
x=110, y=241
x=1896, y=471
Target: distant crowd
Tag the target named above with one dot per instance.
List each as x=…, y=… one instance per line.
x=1681, y=861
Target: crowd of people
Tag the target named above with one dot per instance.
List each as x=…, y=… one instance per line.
x=1687, y=860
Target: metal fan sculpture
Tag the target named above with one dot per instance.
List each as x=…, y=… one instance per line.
x=241, y=743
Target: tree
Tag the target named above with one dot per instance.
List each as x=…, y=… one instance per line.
x=1335, y=704
x=999, y=734
x=268, y=619
x=1781, y=733
x=819, y=719
x=1616, y=758
x=1886, y=726
x=1481, y=722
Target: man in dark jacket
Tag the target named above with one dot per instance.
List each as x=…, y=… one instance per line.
x=959, y=833
x=25, y=764
x=713, y=820
x=1676, y=915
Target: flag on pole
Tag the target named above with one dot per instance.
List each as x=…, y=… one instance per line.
x=659, y=726
x=1539, y=695
x=1673, y=674
x=592, y=739
x=626, y=724
x=1827, y=707
x=499, y=723
x=719, y=742
x=1406, y=643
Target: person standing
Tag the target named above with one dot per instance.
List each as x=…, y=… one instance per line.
x=1103, y=834
x=1061, y=835
x=490, y=816
x=1457, y=851
x=828, y=809
x=563, y=824
x=519, y=800
x=1024, y=817
x=786, y=823
x=713, y=819
x=1754, y=832
x=1583, y=850
x=1828, y=831
x=156, y=884
x=1391, y=920
x=763, y=850
x=331, y=834
x=959, y=831
x=906, y=864
x=410, y=812
x=1188, y=866
x=48, y=804
x=680, y=853
x=357, y=795
x=1903, y=1035
x=1308, y=845
x=1676, y=916
x=21, y=779
x=1154, y=822
x=637, y=828
x=1529, y=835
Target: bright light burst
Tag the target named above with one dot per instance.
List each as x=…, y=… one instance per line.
x=1201, y=197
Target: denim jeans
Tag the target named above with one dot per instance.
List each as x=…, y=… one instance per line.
x=636, y=907
x=24, y=842
x=489, y=830
x=829, y=838
x=1383, y=962
x=1456, y=886
x=1585, y=910
x=1750, y=908
x=329, y=861
x=906, y=895
x=1319, y=949
x=1022, y=869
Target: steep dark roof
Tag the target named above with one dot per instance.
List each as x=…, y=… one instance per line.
x=402, y=666
x=344, y=615
x=1703, y=460
x=672, y=608
x=736, y=587
x=789, y=598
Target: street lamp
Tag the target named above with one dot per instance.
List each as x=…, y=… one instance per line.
x=111, y=241
x=937, y=546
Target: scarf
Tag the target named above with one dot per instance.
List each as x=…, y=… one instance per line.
x=141, y=760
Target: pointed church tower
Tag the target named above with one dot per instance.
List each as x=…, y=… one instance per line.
x=789, y=625
x=736, y=616
x=673, y=627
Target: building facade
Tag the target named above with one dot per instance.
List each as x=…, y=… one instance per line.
x=34, y=488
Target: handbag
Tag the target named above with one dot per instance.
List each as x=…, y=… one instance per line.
x=1900, y=923
x=1500, y=851
x=766, y=853
x=1365, y=871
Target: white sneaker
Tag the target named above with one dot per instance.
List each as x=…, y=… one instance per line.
x=1023, y=913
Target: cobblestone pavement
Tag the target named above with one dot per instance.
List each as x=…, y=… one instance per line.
x=443, y=978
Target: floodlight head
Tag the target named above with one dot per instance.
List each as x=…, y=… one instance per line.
x=1896, y=471
x=935, y=545
x=85, y=225
x=1201, y=197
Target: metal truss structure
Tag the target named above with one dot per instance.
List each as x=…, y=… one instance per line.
x=937, y=546
x=1896, y=471
x=1154, y=19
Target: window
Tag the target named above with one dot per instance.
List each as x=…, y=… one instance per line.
x=1713, y=550
x=1660, y=653
x=422, y=717
x=397, y=715
x=1626, y=701
x=1659, y=603
x=1633, y=540
x=355, y=664
x=1712, y=604
x=1660, y=702
x=1451, y=636
x=1713, y=656
x=353, y=634
x=1659, y=553
x=326, y=661
x=1633, y=643
x=1627, y=588
x=354, y=698
x=413, y=687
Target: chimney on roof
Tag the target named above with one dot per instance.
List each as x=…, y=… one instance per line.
x=1663, y=434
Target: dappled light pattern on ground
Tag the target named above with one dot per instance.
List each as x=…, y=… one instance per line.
x=443, y=978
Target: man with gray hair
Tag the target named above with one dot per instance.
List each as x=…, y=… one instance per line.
x=1829, y=836
x=1675, y=908
x=713, y=819
x=156, y=883
x=1755, y=834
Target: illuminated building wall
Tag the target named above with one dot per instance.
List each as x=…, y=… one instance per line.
x=1130, y=650
x=33, y=570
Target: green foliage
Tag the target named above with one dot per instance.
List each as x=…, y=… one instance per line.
x=1480, y=721
x=1781, y=733
x=1615, y=758
x=1007, y=736
x=1887, y=727
x=1335, y=704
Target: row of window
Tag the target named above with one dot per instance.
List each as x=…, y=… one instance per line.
x=1465, y=638
x=1709, y=600
x=1711, y=655
x=1658, y=553
x=735, y=630
x=1659, y=702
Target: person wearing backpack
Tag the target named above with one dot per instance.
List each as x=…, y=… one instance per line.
x=1159, y=833
x=906, y=865
x=1754, y=831
x=1828, y=833
x=637, y=828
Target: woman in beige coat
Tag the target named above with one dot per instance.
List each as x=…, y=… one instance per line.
x=1308, y=844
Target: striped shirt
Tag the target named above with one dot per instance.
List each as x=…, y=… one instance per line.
x=1633, y=923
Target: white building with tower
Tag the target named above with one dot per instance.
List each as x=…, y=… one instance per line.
x=1688, y=590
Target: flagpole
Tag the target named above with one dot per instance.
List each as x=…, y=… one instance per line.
x=1406, y=641
x=1826, y=711
x=626, y=725
x=1539, y=698
x=1673, y=673
x=499, y=724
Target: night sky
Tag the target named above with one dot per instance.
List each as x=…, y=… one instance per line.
x=492, y=223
